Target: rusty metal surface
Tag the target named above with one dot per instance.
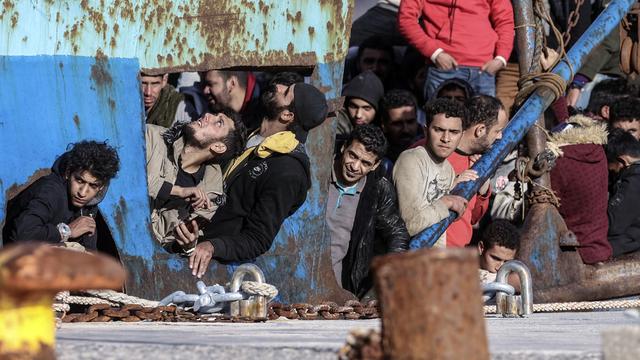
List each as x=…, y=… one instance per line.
x=431, y=305
x=179, y=35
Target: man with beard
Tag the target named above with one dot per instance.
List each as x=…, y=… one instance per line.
x=163, y=105
x=266, y=184
x=236, y=90
x=185, y=182
x=399, y=123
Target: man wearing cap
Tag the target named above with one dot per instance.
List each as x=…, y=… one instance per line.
x=362, y=95
x=266, y=184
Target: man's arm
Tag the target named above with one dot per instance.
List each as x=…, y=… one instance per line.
x=280, y=193
x=410, y=178
x=389, y=224
x=502, y=20
x=408, y=15
x=35, y=222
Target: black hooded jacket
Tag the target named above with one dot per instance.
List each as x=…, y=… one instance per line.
x=624, y=217
x=377, y=229
x=34, y=214
x=261, y=194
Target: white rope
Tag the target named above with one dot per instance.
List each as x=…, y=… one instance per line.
x=65, y=298
x=576, y=306
x=256, y=288
x=60, y=307
x=121, y=298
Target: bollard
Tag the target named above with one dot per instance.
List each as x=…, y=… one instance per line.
x=431, y=305
x=256, y=305
x=30, y=276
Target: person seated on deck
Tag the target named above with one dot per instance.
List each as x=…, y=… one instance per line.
x=184, y=179
x=163, y=105
x=422, y=176
x=623, y=150
x=499, y=243
x=266, y=184
x=362, y=210
x=625, y=114
x=62, y=206
x=362, y=95
x=236, y=90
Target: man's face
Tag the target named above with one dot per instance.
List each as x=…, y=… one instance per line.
x=360, y=111
x=632, y=127
x=443, y=135
x=492, y=259
x=356, y=162
x=217, y=91
x=278, y=105
x=210, y=128
x=151, y=87
x=375, y=60
x=454, y=94
x=494, y=133
x=83, y=187
x=402, y=127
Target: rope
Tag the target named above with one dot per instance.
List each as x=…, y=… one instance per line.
x=66, y=298
x=121, y=298
x=61, y=307
x=256, y=288
x=576, y=306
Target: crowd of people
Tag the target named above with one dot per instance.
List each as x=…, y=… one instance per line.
x=424, y=98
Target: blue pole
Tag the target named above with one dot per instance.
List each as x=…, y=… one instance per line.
x=528, y=115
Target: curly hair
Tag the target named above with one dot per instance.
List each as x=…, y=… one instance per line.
x=502, y=233
x=626, y=108
x=371, y=137
x=98, y=158
x=394, y=99
x=483, y=109
x=448, y=107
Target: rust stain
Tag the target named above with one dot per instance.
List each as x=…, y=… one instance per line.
x=24, y=39
x=312, y=31
x=15, y=189
x=14, y=19
x=112, y=104
x=76, y=120
x=99, y=72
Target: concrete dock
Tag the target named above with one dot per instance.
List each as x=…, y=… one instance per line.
x=541, y=336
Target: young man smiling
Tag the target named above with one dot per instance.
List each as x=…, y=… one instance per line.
x=422, y=176
x=61, y=206
x=362, y=210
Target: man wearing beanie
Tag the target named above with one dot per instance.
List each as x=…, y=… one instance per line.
x=267, y=183
x=362, y=95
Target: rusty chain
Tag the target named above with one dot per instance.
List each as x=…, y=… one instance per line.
x=572, y=21
x=352, y=310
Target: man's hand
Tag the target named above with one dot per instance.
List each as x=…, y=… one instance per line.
x=196, y=196
x=186, y=233
x=492, y=67
x=573, y=95
x=455, y=203
x=467, y=175
x=200, y=259
x=445, y=61
x=82, y=225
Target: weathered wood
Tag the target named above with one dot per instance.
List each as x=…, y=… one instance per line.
x=431, y=305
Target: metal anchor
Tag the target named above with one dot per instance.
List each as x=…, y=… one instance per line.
x=256, y=305
x=515, y=304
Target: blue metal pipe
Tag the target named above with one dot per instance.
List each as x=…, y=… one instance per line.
x=528, y=114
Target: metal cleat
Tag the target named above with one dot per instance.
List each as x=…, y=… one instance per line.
x=256, y=305
x=512, y=305
x=30, y=276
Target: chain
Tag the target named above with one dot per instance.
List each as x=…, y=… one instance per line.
x=352, y=310
x=574, y=17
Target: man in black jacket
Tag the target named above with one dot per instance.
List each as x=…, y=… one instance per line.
x=266, y=184
x=61, y=206
x=623, y=152
x=362, y=210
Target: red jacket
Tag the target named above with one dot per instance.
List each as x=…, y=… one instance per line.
x=472, y=31
x=459, y=233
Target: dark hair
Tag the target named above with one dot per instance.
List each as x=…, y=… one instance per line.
x=236, y=139
x=483, y=109
x=448, y=107
x=625, y=108
x=502, y=233
x=377, y=42
x=605, y=93
x=371, y=137
x=98, y=158
x=268, y=103
x=286, y=78
x=242, y=76
x=455, y=84
x=394, y=99
x=619, y=143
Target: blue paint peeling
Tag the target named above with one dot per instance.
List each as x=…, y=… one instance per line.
x=175, y=264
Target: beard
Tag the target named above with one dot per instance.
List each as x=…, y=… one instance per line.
x=190, y=139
